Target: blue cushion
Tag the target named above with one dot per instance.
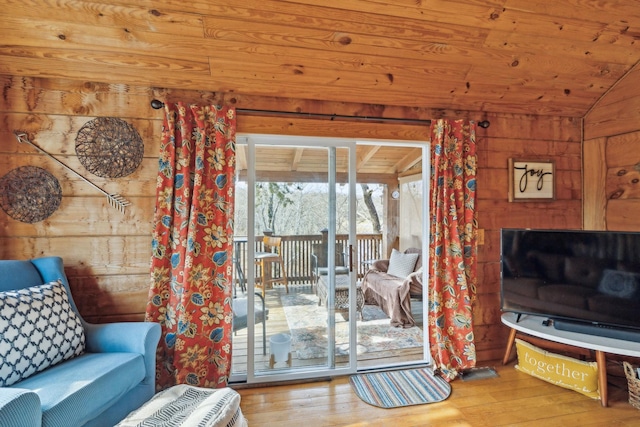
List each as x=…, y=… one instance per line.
x=38, y=329
x=241, y=311
x=17, y=274
x=75, y=391
x=324, y=271
x=19, y=407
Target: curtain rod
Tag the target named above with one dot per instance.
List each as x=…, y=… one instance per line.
x=157, y=104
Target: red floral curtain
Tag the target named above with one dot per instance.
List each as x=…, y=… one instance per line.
x=453, y=245
x=191, y=263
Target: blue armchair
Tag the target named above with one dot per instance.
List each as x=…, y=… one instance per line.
x=113, y=376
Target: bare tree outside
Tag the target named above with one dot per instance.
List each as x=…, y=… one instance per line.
x=367, y=195
x=303, y=208
x=271, y=199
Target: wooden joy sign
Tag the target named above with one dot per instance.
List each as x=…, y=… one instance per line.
x=531, y=180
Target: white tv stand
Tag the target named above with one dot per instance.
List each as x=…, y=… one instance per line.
x=533, y=326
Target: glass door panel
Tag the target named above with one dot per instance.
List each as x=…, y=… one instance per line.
x=295, y=255
x=393, y=209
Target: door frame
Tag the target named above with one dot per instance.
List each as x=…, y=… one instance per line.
x=350, y=143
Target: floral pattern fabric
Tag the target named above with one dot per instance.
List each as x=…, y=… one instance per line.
x=191, y=263
x=453, y=246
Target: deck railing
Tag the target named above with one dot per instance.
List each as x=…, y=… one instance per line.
x=297, y=251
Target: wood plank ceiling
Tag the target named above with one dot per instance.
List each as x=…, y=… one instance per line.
x=509, y=56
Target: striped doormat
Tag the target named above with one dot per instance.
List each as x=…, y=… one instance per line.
x=400, y=388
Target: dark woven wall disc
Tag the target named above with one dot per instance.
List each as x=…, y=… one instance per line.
x=109, y=147
x=29, y=194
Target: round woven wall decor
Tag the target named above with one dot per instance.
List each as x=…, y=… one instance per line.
x=29, y=194
x=109, y=147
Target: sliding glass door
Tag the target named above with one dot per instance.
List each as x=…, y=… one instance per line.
x=306, y=236
x=294, y=234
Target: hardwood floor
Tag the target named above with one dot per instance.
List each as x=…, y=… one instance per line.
x=513, y=399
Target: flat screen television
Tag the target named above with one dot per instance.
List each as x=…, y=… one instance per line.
x=583, y=281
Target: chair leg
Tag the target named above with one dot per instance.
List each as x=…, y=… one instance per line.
x=284, y=276
x=264, y=325
x=264, y=333
x=262, y=275
x=240, y=274
x=263, y=281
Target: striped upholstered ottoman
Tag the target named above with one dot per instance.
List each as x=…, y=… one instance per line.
x=184, y=405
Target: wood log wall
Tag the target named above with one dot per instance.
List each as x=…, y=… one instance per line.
x=107, y=254
x=612, y=158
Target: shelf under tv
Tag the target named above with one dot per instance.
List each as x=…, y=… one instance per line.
x=539, y=327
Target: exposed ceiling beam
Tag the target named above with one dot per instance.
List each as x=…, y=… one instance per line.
x=367, y=153
x=411, y=159
x=296, y=158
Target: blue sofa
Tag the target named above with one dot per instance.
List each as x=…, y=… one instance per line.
x=114, y=375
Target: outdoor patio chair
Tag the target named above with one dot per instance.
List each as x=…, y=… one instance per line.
x=319, y=261
x=241, y=313
x=272, y=255
x=239, y=279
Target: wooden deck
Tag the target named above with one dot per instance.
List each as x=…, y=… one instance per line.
x=277, y=323
x=514, y=399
